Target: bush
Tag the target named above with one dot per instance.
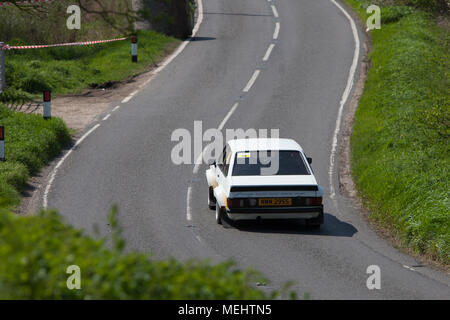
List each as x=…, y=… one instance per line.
x=36, y=251
x=393, y=14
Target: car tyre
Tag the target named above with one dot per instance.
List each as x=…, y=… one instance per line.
x=316, y=223
x=211, y=199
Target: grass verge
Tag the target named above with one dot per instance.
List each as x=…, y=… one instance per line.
x=30, y=143
x=400, y=149
x=71, y=69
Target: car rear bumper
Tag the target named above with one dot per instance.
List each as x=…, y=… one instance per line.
x=275, y=213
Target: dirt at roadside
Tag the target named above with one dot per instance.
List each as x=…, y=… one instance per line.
x=78, y=110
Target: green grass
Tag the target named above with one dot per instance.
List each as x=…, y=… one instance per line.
x=400, y=141
x=30, y=143
x=72, y=69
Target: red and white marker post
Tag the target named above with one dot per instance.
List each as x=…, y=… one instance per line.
x=134, y=49
x=47, y=104
x=2, y=143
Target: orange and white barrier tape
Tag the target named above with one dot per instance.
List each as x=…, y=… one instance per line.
x=40, y=46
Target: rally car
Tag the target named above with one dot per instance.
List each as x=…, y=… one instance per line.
x=257, y=179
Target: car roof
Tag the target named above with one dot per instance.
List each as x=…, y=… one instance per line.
x=254, y=144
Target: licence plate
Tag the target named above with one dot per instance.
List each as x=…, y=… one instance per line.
x=266, y=202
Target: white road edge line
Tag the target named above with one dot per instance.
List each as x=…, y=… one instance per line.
x=252, y=80
x=344, y=98
x=188, y=204
x=155, y=72
x=275, y=11
x=55, y=170
x=277, y=31
x=268, y=52
x=130, y=97
x=106, y=117
x=408, y=267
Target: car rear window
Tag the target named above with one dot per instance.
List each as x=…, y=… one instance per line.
x=257, y=163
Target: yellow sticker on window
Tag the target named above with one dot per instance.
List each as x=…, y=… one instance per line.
x=243, y=155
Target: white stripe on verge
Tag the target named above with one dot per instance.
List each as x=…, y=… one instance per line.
x=55, y=170
x=268, y=52
x=277, y=31
x=344, y=98
x=252, y=80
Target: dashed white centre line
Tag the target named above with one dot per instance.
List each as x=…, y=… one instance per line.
x=106, y=117
x=247, y=88
x=252, y=80
x=222, y=124
x=115, y=108
x=268, y=52
x=277, y=31
x=275, y=11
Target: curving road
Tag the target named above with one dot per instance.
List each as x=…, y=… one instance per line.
x=303, y=65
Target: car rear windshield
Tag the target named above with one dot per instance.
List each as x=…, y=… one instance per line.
x=262, y=163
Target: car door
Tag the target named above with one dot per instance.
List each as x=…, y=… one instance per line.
x=223, y=166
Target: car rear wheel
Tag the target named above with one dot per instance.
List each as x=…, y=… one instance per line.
x=211, y=199
x=315, y=223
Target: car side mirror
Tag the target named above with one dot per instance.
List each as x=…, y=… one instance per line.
x=309, y=160
x=212, y=163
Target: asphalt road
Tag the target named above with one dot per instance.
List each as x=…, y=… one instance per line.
x=127, y=159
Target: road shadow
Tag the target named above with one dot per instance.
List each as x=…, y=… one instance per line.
x=332, y=227
x=194, y=39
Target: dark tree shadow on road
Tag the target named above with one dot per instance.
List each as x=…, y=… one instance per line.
x=332, y=227
x=194, y=39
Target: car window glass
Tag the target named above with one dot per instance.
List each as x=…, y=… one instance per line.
x=227, y=161
x=251, y=163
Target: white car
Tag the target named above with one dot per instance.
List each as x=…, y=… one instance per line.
x=264, y=179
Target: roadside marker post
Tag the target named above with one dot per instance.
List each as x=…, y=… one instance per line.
x=134, y=49
x=47, y=104
x=2, y=68
x=2, y=143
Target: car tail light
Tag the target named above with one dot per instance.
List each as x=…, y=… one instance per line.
x=235, y=203
x=316, y=201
